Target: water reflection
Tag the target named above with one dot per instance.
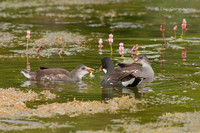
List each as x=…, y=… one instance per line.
x=133, y=92
x=55, y=85
x=184, y=55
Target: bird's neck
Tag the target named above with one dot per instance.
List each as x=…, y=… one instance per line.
x=75, y=75
x=147, y=70
x=110, y=70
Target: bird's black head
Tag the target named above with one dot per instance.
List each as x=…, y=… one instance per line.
x=107, y=65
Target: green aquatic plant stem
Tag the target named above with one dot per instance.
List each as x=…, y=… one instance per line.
x=182, y=34
x=27, y=46
x=27, y=58
x=111, y=51
x=175, y=34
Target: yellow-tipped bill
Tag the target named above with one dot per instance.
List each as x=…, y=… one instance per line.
x=138, y=53
x=89, y=69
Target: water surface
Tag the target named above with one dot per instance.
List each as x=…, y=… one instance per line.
x=75, y=28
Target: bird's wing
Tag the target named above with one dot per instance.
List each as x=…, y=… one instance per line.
x=56, y=72
x=133, y=69
x=119, y=76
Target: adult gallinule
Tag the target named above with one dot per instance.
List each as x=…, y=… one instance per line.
x=126, y=74
x=57, y=74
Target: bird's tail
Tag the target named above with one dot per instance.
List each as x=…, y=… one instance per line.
x=26, y=74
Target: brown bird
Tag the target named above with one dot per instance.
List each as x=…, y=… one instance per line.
x=57, y=74
x=127, y=75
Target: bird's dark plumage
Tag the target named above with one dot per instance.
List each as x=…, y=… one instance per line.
x=128, y=75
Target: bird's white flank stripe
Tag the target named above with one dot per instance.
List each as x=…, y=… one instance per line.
x=126, y=83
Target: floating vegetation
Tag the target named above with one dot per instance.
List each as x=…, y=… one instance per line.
x=59, y=39
x=127, y=25
x=54, y=43
x=13, y=105
x=168, y=123
x=34, y=3
x=76, y=108
x=9, y=125
x=5, y=39
x=167, y=99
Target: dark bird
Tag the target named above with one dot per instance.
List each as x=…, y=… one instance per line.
x=127, y=75
x=57, y=74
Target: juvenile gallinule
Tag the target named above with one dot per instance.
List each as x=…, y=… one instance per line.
x=126, y=74
x=57, y=74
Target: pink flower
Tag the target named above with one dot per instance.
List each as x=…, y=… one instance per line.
x=111, y=35
x=183, y=26
x=184, y=21
x=100, y=44
x=100, y=47
x=121, y=44
x=121, y=48
x=100, y=41
x=121, y=52
x=175, y=28
x=135, y=48
x=110, y=41
x=28, y=36
x=186, y=30
x=162, y=28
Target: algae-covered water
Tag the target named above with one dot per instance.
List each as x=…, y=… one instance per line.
x=68, y=32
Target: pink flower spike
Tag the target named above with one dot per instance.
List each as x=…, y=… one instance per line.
x=183, y=26
x=28, y=36
x=184, y=21
x=121, y=44
x=175, y=28
x=162, y=28
x=121, y=51
x=110, y=41
x=100, y=47
x=111, y=35
x=135, y=48
x=28, y=32
x=186, y=30
x=100, y=41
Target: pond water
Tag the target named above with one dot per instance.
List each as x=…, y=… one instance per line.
x=74, y=28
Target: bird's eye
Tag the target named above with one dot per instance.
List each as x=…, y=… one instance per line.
x=83, y=68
